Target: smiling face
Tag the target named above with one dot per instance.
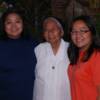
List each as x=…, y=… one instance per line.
x=81, y=35
x=13, y=26
x=52, y=32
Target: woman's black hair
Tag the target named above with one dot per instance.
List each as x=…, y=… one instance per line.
x=21, y=13
x=73, y=51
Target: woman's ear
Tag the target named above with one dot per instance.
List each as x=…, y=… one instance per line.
x=62, y=34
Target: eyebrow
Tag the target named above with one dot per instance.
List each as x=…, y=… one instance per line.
x=81, y=28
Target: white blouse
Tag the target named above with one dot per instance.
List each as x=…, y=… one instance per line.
x=51, y=81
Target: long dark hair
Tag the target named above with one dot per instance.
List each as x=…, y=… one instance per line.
x=21, y=13
x=73, y=51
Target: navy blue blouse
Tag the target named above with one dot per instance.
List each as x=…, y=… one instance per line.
x=17, y=63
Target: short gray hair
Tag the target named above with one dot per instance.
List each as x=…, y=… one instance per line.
x=54, y=20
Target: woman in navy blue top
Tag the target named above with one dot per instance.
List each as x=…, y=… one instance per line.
x=17, y=59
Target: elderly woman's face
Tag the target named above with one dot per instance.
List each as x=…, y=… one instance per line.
x=52, y=33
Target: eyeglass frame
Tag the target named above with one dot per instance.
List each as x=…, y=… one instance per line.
x=81, y=31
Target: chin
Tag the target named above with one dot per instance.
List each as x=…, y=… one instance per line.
x=79, y=45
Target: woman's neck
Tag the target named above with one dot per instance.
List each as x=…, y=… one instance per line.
x=55, y=47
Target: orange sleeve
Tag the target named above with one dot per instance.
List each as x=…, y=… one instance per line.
x=96, y=69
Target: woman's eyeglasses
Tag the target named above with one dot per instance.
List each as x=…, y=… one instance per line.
x=82, y=31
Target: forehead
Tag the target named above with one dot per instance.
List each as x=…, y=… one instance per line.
x=51, y=21
x=13, y=16
x=79, y=24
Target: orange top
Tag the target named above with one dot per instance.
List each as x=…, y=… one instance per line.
x=84, y=78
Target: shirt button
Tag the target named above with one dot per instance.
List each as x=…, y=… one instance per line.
x=53, y=67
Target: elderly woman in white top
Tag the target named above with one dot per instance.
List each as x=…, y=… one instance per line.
x=51, y=82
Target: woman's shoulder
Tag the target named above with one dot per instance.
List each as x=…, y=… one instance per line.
x=96, y=54
x=41, y=47
x=66, y=43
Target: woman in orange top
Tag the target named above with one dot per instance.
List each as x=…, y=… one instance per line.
x=84, y=55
